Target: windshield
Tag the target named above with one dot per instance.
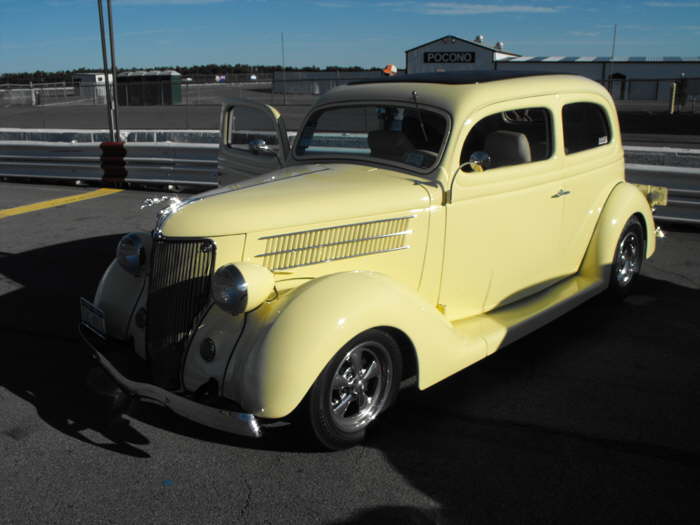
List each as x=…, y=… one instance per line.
x=394, y=133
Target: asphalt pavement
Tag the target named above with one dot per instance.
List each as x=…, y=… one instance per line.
x=592, y=419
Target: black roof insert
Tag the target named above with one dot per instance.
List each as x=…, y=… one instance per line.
x=455, y=77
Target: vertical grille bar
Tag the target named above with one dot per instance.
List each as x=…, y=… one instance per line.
x=178, y=298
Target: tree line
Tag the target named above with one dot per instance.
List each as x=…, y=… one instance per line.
x=209, y=70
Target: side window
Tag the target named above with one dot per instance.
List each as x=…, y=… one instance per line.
x=247, y=124
x=511, y=137
x=586, y=126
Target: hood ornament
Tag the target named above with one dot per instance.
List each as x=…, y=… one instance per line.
x=163, y=214
x=152, y=201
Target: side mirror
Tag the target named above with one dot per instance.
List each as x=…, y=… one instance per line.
x=259, y=146
x=479, y=161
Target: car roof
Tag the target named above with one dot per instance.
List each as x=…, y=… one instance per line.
x=455, y=77
x=461, y=92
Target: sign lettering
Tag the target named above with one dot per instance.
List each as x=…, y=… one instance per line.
x=448, y=57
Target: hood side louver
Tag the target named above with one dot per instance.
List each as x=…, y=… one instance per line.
x=290, y=250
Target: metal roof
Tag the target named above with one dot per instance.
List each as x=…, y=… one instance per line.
x=455, y=77
x=571, y=59
x=155, y=73
x=452, y=37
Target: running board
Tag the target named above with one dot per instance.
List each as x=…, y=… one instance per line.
x=509, y=323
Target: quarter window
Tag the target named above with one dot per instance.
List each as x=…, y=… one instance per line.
x=586, y=126
x=247, y=124
x=511, y=137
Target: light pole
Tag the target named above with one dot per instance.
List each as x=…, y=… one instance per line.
x=284, y=80
x=114, y=71
x=611, y=81
x=105, y=69
x=110, y=90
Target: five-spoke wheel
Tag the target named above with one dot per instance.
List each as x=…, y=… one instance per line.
x=629, y=254
x=359, y=382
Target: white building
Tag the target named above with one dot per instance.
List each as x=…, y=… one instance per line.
x=629, y=78
x=91, y=85
x=451, y=53
x=632, y=78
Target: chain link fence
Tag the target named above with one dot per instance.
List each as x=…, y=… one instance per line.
x=156, y=93
x=651, y=94
x=34, y=94
x=193, y=104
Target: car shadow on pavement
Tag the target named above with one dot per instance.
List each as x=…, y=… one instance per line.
x=593, y=418
x=44, y=362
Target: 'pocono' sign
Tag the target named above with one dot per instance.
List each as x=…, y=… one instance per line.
x=448, y=57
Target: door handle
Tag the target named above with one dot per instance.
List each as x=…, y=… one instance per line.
x=560, y=193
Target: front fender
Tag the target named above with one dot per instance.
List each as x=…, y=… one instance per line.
x=625, y=200
x=287, y=343
x=117, y=295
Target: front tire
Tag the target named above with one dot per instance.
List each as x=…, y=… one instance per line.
x=360, y=382
x=627, y=263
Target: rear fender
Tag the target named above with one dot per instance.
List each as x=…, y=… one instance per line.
x=287, y=343
x=625, y=200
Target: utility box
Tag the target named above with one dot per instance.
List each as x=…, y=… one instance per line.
x=149, y=88
x=91, y=86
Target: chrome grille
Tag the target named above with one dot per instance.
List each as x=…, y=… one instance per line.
x=178, y=298
x=295, y=249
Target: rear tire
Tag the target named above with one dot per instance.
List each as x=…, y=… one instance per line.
x=627, y=263
x=359, y=383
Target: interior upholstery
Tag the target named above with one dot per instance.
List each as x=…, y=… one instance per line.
x=507, y=148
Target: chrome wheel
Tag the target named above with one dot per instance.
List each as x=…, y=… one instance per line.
x=627, y=260
x=358, y=387
x=359, y=383
x=629, y=257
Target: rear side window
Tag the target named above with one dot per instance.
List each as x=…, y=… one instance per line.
x=586, y=126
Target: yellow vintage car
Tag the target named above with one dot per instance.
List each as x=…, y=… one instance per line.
x=416, y=225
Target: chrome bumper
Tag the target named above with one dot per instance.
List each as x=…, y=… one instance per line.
x=238, y=423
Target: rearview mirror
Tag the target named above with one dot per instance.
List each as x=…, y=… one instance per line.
x=479, y=161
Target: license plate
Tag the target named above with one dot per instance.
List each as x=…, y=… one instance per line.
x=92, y=317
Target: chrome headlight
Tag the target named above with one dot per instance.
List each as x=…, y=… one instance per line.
x=241, y=287
x=131, y=253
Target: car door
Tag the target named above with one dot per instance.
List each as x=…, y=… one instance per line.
x=253, y=140
x=503, y=223
x=593, y=164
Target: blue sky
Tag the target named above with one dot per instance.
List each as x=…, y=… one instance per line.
x=63, y=34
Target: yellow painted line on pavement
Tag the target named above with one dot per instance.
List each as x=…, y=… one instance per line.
x=9, y=212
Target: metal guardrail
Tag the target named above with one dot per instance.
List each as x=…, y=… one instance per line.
x=683, y=185
x=194, y=165
x=160, y=164
x=177, y=164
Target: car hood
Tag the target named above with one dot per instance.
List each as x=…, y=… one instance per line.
x=295, y=196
